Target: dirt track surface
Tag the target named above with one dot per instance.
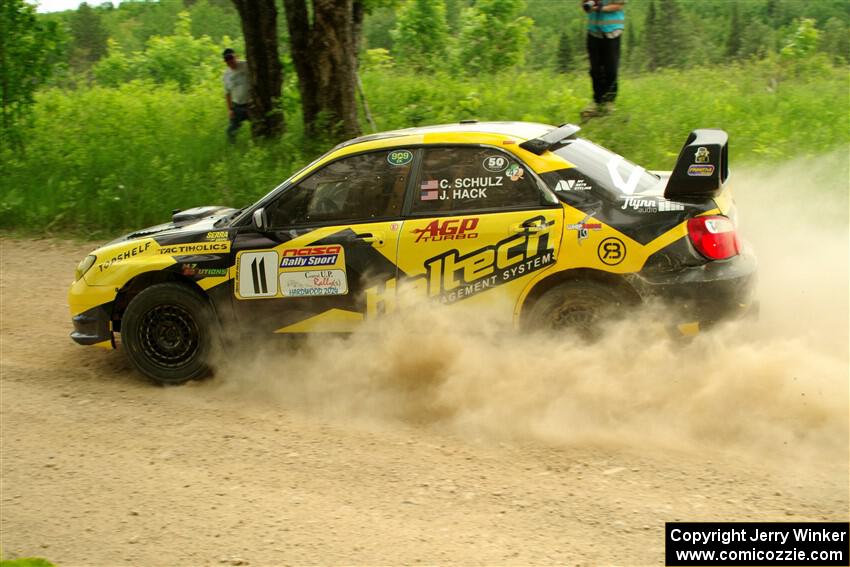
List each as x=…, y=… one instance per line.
x=101, y=468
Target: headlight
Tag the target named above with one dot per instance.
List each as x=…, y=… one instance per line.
x=84, y=266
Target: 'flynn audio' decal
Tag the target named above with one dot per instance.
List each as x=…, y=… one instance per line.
x=650, y=205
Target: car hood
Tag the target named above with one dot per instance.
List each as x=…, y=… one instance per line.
x=196, y=219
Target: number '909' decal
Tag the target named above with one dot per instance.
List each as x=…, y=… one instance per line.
x=399, y=157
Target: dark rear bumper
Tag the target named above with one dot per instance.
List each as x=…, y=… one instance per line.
x=92, y=326
x=706, y=294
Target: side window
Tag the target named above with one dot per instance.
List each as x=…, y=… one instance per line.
x=355, y=188
x=460, y=179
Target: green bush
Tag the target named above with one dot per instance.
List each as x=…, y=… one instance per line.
x=110, y=158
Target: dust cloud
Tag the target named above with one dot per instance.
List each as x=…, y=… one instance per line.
x=776, y=387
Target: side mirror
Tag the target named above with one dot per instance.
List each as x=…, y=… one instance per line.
x=260, y=221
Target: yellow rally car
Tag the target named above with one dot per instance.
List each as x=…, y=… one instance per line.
x=531, y=222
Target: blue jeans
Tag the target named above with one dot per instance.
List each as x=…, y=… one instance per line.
x=240, y=115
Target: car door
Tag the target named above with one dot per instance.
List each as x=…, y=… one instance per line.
x=480, y=226
x=329, y=238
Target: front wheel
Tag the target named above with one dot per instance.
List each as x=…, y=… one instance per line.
x=167, y=331
x=579, y=306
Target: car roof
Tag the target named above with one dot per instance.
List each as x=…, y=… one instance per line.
x=522, y=130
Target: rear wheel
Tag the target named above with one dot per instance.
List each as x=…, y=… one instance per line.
x=167, y=331
x=579, y=306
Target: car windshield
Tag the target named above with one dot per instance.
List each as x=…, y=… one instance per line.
x=607, y=169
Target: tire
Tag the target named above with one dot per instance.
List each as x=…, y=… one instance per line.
x=167, y=331
x=579, y=306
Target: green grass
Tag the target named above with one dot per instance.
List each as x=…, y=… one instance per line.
x=100, y=160
x=26, y=562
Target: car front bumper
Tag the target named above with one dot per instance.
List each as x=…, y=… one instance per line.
x=93, y=327
x=91, y=314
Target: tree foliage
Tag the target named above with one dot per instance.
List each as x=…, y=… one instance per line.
x=421, y=34
x=494, y=35
x=565, y=53
x=29, y=49
x=733, y=42
x=803, y=42
x=179, y=58
x=88, y=37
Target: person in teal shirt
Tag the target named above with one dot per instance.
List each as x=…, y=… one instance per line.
x=605, y=24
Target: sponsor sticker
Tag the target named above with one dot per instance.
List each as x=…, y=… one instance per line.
x=399, y=157
x=194, y=270
x=515, y=172
x=451, y=277
x=650, y=205
x=118, y=258
x=584, y=227
x=565, y=185
x=313, y=283
x=310, y=256
x=217, y=235
x=665, y=206
x=195, y=248
x=702, y=155
x=455, y=229
x=611, y=251
x=701, y=170
x=495, y=163
x=284, y=273
x=257, y=274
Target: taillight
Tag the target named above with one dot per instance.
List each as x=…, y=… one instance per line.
x=713, y=236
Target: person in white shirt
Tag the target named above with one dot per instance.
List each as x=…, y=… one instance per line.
x=237, y=92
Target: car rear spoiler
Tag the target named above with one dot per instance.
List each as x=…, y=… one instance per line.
x=702, y=167
x=550, y=139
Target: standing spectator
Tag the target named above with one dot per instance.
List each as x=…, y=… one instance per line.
x=237, y=92
x=605, y=23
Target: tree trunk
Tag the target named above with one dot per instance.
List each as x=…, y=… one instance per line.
x=324, y=53
x=259, y=26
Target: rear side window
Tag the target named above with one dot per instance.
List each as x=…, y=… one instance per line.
x=461, y=179
x=355, y=188
x=597, y=167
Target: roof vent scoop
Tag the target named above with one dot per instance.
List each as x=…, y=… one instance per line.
x=702, y=167
x=550, y=139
